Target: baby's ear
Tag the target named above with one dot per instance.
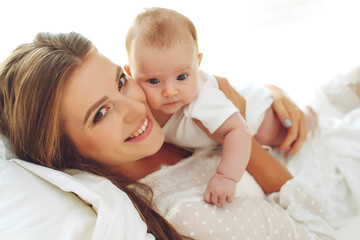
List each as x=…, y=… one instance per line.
x=127, y=70
x=200, y=55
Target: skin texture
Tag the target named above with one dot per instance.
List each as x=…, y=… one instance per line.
x=119, y=114
x=151, y=37
x=269, y=173
x=169, y=77
x=48, y=86
x=286, y=109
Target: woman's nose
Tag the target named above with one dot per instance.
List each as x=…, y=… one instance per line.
x=134, y=110
x=170, y=89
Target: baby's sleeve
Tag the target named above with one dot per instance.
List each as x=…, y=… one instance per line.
x=211, y=106
x=258, y=100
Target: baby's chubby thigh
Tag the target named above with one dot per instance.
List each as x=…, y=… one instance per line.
x=271, y=132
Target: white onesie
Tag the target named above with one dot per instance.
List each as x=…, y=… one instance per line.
x=212, y=108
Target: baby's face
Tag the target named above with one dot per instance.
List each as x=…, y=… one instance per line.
x=168, y=75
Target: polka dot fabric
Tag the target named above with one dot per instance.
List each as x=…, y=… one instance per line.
x=293, y=213
x=328, y=161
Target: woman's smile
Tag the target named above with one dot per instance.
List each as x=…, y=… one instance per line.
x=142, y=132
x=126, y=131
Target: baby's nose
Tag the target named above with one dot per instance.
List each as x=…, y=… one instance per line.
x=170, y=90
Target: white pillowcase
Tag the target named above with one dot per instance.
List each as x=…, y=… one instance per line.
x=32, y=208
x=41, y=203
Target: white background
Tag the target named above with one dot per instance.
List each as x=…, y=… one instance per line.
x=295, y=44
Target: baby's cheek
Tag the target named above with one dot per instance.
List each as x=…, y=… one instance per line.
x=153, y=104
x=191, y=96
x=153, y=100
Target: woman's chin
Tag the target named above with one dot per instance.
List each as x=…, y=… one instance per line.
x=158, y=139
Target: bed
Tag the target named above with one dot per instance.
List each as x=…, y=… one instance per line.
x=42, y=203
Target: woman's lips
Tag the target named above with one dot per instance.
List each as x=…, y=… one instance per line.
x=142, y=132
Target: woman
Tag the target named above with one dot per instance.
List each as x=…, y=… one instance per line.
x=87, y=115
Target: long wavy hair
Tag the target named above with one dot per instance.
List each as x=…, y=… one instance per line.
x=31, y=86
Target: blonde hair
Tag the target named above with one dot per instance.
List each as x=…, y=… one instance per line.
x=160, y=28
x=31, y=86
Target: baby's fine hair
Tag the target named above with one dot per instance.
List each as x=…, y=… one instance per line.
x=160, y=28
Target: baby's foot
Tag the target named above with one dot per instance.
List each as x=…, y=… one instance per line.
x=311, y=117
x=355, y=87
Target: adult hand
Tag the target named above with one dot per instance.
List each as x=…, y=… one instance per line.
x=292, y=118
x=267, y=171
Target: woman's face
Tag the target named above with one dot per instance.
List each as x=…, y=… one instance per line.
x=106, y=114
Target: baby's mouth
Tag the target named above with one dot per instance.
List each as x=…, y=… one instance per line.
x=171, y=102
x=140, y=131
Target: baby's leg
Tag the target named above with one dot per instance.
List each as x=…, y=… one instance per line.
x=311, y=117
x=271, y=132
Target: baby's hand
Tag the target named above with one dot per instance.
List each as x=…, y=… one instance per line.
x=220, y=190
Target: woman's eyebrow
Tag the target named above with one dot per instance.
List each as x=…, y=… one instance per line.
x=118, y=72
x=104, y=98
x=94, y=107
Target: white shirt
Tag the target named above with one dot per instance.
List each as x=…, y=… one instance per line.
x=212, y=108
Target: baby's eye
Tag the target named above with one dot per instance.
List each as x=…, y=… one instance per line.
x=122, y=81
x=99, y=115
x=153, y=81
x=182, y=77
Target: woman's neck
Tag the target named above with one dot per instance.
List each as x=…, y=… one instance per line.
x=161, y=117
x=167, y=155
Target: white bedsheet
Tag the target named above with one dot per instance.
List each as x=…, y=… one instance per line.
x=329, y=161
x=40, y=203
x=339, y=99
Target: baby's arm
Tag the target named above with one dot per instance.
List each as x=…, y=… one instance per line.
x=267, y=171
x=235, y=157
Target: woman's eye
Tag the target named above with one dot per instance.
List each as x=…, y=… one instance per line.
x=122, y=81
x=99, y=115
x=182, y=77
x=153, y=81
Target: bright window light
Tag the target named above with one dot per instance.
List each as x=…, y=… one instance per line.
x=295, y=44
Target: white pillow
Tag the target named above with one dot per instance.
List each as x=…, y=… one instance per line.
x=32, y=208
x=41, y=203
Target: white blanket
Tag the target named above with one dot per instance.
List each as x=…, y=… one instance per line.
x=40, y=203
x=326, y=171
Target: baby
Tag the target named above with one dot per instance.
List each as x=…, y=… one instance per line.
x=164, y=59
